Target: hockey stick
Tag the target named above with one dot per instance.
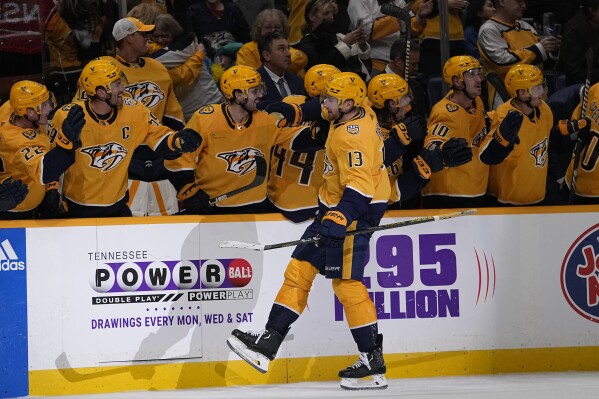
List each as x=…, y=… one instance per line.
x=578, y=146
x=261, y=168
x=406, y=17
x=411, y=222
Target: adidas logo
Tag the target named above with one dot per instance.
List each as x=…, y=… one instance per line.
x=8, y=258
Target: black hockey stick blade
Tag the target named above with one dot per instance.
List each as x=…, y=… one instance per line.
x=411, y=222
x=261, y=169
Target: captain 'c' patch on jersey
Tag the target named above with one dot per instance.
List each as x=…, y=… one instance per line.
x=241, y=161
x=147, y=93
x=539, y=152
x=353, y=129
x=105, y=156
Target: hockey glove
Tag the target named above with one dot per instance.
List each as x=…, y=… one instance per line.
x=12, y=193
x=507, y=132
x=320, y=132
x=400, y=133
x=428, y=162
x=333, y=227
x=195, y=200
x=185, y=140
x=287, y=114
x=568, y=127
x=51, y=206
x=69, y=136
x=456, y=152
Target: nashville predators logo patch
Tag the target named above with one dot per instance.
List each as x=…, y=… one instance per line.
x=147, y=93
x=539, y=153
x=208, y=109
x=241, y=161
x=353, y=129
x=105, y=156
x=451, y=107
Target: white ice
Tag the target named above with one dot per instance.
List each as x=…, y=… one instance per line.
x=569, y=385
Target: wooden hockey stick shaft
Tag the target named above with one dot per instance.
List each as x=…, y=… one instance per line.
x=411, y=222
x=578, y=146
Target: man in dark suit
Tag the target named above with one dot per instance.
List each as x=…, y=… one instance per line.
x=276, y=59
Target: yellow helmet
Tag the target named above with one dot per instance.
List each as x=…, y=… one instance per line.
x=28, y=94
x=523, y=77
x=239, y=77
x=317, y=77
x=457, y=66
x=346, y=86
x=387, y=86
x=99, y=73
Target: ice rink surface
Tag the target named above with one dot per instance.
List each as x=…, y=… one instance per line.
x=569, y=385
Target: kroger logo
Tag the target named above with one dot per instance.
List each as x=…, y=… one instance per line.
x=580, y=275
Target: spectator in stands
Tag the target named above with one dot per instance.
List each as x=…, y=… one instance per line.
x=349, y=53
x=380, y=30
x=430, y=34
x=504, y=40
x=148, y=82
x=71, y=26
x=185, y=60
x=477, y=12
x=276, y=58
x=216, y=23
x=164, y=6
x=267, y=21
x=147, y=13
x=580, y=34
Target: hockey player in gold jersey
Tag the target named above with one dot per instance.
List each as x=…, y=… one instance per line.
x=459, y=114
x=25, y=150
x=236, y=136
x=586, y=182
x=518, y=146
x=95, y=185
x=295, y=176
x=390, y=97
x=354, y=195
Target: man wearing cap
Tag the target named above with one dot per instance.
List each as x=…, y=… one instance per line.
x=148, y=82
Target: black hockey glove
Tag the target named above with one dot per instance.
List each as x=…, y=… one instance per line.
x=456, y=152
x=333, y=227
x=427, y=162
x=51, y=207
x=507, y=132
x=567, y=127
x=320, y=131
x=12, y=193
x=197, y=204
x=400, y=133
x=186, y=140
x=69, y=135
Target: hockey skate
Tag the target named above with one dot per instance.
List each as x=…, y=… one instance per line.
x=367, y=373
x=257, y=348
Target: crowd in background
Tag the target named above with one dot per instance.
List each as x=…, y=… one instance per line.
x=192, y=43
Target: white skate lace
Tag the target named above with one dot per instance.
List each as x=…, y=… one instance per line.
x=363, y=360
x=256, y=334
